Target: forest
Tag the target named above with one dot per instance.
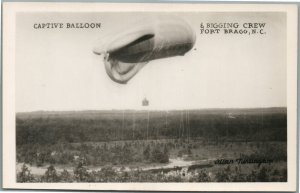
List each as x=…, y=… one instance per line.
x=150, y=145
x=94, y=126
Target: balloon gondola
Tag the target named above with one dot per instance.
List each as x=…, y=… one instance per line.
x=145, y=102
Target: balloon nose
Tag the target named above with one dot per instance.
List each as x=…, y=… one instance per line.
x=98, y=50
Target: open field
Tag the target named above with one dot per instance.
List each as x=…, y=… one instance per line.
x=152, y=146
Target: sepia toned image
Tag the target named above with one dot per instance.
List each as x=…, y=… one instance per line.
x=136, y=98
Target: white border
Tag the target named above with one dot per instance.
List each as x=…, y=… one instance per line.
x=9, y=26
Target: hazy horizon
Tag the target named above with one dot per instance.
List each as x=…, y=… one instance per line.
x=144, y=109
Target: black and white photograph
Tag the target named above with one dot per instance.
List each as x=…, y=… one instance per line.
x=196, y=96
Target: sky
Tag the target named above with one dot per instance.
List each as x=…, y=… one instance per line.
x=56, y=69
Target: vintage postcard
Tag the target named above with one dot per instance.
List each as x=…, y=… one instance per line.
x=178, y=97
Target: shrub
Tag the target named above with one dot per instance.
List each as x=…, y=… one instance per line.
x=158, y=156
x=80, y=173
x=25, y=175
x=65, y=176
x=262, y=175
x=50, y=175
x=203, y=177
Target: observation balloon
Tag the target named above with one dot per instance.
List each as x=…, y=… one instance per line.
x=126, y=52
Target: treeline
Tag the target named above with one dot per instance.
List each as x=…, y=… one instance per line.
x=246, y=125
